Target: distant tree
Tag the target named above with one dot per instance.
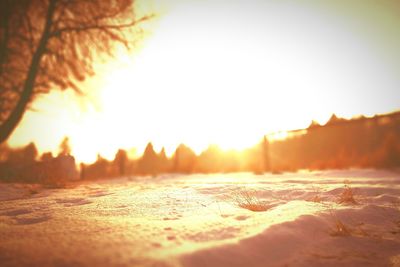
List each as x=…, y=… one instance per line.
x=120, y=161
x=210, y=160
x=335, y=120
x=388, y=154
x=163, y=154
x=148, y=162
x=30, y=152
x=163, y=161
x=51, y=44
x=313, y=124
x=24, y=155
x=99, y=169
x=176, y=159
x=64, y=148
x=266, y=155
x=184, y=159
x=47, y=156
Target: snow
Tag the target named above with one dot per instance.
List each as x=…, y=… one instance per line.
x=302, y=219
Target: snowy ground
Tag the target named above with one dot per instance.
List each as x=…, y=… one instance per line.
x=330, y=218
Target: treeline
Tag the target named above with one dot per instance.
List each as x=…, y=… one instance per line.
x=25, y=165
x=340, y=143
x=183, y=160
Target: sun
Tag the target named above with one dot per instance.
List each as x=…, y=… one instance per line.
x=212, y=73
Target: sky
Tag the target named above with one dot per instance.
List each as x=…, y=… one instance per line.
x=226, y=73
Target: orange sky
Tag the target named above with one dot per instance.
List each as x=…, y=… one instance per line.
x=226, y=73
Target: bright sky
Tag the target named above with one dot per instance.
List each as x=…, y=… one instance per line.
x=228, y=72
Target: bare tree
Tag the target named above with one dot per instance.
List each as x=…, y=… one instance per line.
x=51, y=44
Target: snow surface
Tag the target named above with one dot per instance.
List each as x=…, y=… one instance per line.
x=203, y=220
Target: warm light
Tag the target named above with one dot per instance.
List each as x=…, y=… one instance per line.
x=213, y=72
x=278, y=136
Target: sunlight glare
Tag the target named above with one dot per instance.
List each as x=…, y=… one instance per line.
x=208, y=74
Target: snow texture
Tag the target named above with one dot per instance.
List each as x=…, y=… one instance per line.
x=328, y=218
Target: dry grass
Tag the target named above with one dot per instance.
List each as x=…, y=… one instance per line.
x=317, y=195
x=248, y=200
x=347, y=195
x=340, y=229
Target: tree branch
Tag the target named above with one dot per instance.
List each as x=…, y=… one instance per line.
x=103, y=27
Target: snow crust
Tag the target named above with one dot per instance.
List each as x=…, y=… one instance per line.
x=205, y=220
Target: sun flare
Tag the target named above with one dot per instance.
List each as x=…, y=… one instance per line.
x=212, y=73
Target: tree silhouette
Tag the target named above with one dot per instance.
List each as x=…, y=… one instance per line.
x=64, y=148
x=266, y=155
x=148, y=161
x=24, y=155
x=51, y=44
x=120, y=161
x=184, y=159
